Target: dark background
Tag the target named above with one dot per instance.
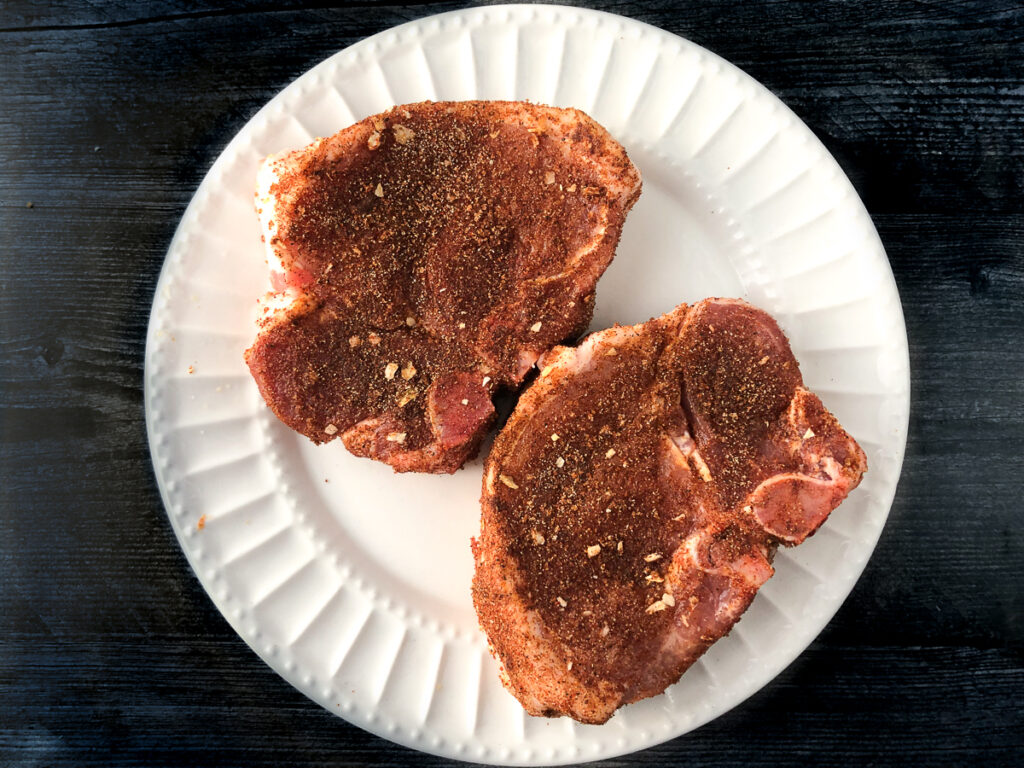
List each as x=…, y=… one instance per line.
x=110, y=114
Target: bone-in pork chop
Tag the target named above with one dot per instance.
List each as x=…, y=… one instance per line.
x=424, y=258
x=634, y=501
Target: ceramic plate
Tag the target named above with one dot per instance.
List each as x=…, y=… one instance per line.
x=353, y=582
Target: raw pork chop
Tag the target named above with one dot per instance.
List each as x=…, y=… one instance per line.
x=424, y=258
x=634, y=501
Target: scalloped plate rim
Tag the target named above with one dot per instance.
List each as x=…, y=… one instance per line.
x=419, y=27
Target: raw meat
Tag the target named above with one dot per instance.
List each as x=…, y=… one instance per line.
x=422, y=259
x=634, y=501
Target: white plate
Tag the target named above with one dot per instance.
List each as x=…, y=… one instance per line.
x=353, y=582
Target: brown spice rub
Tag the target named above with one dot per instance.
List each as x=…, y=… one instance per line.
x=456, y=237
x=652, y=472
x=614, y=501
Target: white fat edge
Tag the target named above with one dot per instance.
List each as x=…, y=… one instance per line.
x=266, y=209
x=490, y=478
x=572, y=360
x=275, y=305
x=613, y=336
x=267, y=176
x=598, y=164
x=567, y=120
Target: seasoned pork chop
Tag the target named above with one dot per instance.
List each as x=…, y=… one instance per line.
x=423, y=259
x=634, y=501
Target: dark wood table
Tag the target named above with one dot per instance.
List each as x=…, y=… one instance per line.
x=111, y=653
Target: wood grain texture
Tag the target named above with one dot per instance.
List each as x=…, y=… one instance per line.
x=110, y=113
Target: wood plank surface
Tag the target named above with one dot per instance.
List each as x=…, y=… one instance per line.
x=111, y=654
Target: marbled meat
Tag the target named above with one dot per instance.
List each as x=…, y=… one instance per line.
x=634, y=501
x=424, y=258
